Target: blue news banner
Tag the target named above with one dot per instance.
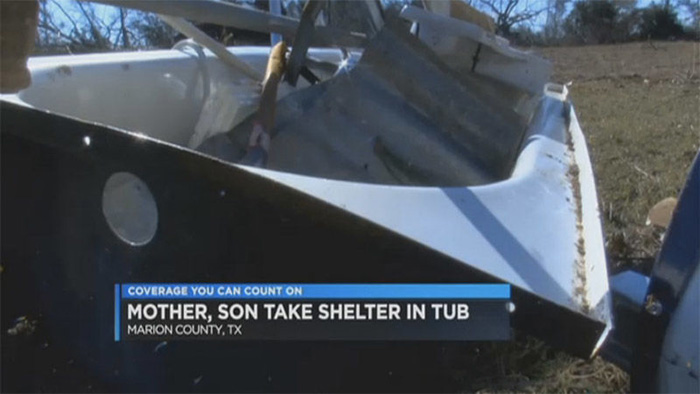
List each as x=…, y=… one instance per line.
x=271, y=311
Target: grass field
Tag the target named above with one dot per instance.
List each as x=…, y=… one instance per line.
x=639, y=108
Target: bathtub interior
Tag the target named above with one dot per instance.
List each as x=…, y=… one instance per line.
x=166, y=95
x=386, y=131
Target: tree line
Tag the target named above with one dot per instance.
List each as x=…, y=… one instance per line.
x=71, y=26
x=606, y=21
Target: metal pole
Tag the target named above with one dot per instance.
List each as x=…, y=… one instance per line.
x=275, y=9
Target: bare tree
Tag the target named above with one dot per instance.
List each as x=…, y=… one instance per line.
x=123, y=31
x=554, y=26
x=70, y=26
x=692, y=8
x=77, y=29
x=150, y=31
x=509, y=13
x=52, y=36
x=98, y=32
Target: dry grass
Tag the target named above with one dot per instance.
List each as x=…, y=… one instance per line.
x=655, y=61
x=529, y=366
x=639, y=107
x=642, y=145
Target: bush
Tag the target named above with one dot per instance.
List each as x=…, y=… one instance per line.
x=660, y=23
x=592, y=22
